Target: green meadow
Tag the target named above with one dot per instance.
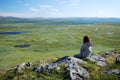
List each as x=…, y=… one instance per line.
x=53, y=41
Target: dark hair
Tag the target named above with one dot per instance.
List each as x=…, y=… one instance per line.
x=86, y=39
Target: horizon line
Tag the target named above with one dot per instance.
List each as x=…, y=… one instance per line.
x=61, y=17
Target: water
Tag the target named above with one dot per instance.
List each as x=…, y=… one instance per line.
x=12, y=33
x=15, y=32
x=22, y=45
x=110, y=33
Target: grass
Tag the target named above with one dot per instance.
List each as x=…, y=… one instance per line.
x=28, y=74
x=94, y=70
x=53, y=41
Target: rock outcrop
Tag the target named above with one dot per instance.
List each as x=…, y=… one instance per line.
x=107, y=54
x=23, y=66
x=73, y=66
x=112, y=71
x=118, y=59
x=101, y=61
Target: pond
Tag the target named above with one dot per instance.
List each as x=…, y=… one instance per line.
x=22, y=45
x=14, y=32
x=10, y=32
x=110, y=33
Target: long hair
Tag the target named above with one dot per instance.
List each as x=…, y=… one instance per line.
x=86, y=39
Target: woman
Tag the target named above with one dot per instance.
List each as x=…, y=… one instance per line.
x=86, y=48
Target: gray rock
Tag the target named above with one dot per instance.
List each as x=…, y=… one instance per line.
x=112, y=71
x=107, y=54
x=78, y=61
x=118, y=59
x=29, y=64
x=58, y=68
x=73, y=66
x=77, y=72
x=38, y=69
x=97, y=58
x=100, y=61
x=51, y=66
x=23, y=66
x=67, y=60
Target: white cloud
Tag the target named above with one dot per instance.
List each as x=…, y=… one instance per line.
x=45, y=6
x=71, y=2
x=16, y=14
x=55, y=10
x=27, y=4
x=75, y=2
x=34, y=9
x=50, y=9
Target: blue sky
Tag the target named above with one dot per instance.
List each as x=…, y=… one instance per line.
x=60, y=8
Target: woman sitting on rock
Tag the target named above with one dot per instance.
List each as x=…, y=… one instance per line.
x=86, y=48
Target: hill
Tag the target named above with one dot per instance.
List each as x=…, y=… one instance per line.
x=79, y=20
x=98, y=67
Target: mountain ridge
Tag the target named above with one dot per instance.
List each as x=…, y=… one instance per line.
x=70, y=19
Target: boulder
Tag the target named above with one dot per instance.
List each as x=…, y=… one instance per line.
x=107, y=54
x=77, y=72
x=97, y=58
x=118, y=59
x=29, y=64
x=101, y=61
x=112, y=71
x=23, y=66
x=68, y=60
x=72, y=65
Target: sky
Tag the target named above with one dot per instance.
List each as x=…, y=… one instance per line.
x=60, y=8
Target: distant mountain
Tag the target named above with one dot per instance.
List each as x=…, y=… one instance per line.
x=78, y=20
x=11, y=18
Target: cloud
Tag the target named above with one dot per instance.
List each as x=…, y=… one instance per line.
x=50, y=9
x=75, y=2
x=55, y=10
x=106, y=13
x=13, y=14
x=27, y=4
x=71, y=2
x=45, y=6
x=34, y=9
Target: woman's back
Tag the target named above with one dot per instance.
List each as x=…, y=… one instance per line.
x=85, y=50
